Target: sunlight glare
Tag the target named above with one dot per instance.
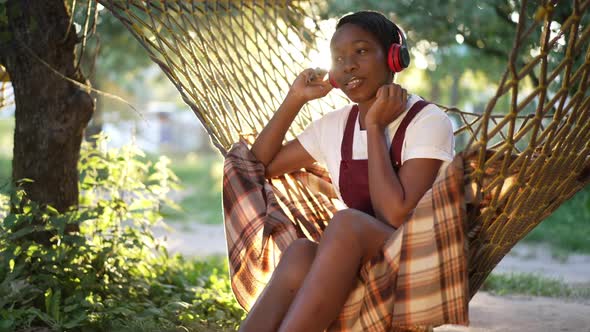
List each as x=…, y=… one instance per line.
x=320, y=56
x=555, y=29
x=459, y=38
x=420, y=60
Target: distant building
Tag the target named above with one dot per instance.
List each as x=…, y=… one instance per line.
x=163, y=128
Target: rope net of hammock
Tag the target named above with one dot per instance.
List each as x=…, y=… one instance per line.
x=232, y=61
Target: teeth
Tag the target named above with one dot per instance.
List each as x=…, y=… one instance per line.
x=353, y=82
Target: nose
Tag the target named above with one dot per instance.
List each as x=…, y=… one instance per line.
x=349, y=64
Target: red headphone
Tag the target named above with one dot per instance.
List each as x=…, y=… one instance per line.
x=398, y=57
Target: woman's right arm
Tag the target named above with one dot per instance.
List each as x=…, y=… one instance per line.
x=268, y=147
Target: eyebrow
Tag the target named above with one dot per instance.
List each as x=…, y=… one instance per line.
x=357, y=41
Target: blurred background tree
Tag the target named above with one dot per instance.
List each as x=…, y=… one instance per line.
x=457, y=42
x=37, y=48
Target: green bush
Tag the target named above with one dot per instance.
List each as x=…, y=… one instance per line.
x=110, y=273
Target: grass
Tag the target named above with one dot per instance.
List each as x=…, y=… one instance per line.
x=5, y=170
x=201, y=177
x=6, y=132
x=534, y=285
x=567, y=230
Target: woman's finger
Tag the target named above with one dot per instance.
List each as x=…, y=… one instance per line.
x=320, y=72
x=384, y=92
x=315, y=73
x=396, y=91
x=310, y=76
x=392, y=91
x=378, y=94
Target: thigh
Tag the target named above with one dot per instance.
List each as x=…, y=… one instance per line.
x=369, y=232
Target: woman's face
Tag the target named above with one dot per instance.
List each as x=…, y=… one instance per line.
x=359, y=64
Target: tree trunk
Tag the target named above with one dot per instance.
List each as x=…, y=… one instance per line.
x=51, y=112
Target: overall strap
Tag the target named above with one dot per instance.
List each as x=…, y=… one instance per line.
x=400, y=133
x=347, y=138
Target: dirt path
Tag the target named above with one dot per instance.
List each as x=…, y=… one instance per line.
x=204, y=240
x=488, y=313
x=524, y=314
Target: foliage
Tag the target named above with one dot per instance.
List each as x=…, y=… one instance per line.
x=457, y=36
x=487, y=27
x=568, y=228
x=476, y=23
x=112, y=274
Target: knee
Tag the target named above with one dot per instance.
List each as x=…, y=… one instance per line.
x=344, y=223
x=296, y=261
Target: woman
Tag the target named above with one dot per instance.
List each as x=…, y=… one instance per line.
x=312, y=281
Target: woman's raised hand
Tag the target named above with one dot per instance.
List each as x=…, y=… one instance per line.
x=310, y=85
x=390, y=103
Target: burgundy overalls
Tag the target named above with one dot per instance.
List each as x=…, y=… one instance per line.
x=354, y=173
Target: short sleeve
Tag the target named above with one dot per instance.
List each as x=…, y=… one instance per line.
x=430, y=136
x=310, y=139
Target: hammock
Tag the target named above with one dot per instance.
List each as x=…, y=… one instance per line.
x=229, y=60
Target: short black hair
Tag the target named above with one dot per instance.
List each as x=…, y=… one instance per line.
x=376, y=23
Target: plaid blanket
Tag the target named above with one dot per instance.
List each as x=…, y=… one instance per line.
x=418, y=280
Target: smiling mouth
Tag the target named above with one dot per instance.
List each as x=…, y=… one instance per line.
x=354, y=83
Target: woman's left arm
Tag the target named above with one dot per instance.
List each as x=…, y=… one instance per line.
x=393, y=194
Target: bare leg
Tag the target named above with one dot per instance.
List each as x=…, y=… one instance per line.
x=272, y=304
x=351, y=238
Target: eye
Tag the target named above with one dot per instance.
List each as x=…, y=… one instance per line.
x=337, y=59
x=361, y=51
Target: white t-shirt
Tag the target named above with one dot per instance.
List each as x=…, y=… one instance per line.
x=429, y=135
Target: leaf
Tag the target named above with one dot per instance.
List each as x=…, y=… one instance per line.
x=43, y=316
x=53, y=211
x=76, y=321
x=55, y=305
x=48, y=296
x=22, y=232
x=10, y=220
x=7, y=324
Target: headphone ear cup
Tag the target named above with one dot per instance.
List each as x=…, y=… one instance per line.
x=332, y=81
x=394, y=58
x=404, y=57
